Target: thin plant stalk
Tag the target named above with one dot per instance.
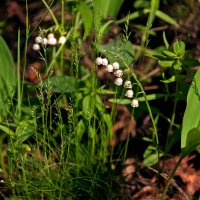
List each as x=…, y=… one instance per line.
x=171, y=177
x=18, y=78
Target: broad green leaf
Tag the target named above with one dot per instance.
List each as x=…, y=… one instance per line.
x=165, y=40
x=128, y=101
x=191, y=62
x=103, y=91
x=141, y=4
x=7, y=77
x=154, y=7
x=108, y=8
x=152, y=159
x=169, y=54
x=166, y=18
x=145, y=11
x=166, y=63
x=80, y=129
x=179, y=48
x=170, y=80
x=191, y=117
x=177, y=65
x=88, y=105
x=173, y=79
x=192, y=141
x=86, y=14
x=62, y=84
x=7, y=131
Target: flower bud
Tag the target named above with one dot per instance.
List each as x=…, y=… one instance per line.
x=127, y=84
x=115, y=65
x=129, y=93
x=44, y=41
x=105, y=61
x=99, y=61
x=36, y=47
x=50, y=35
x=109, y=68
x=135, y=103
x=119, y=81
x=62, y=40
x=38, y=39
x=118, y=73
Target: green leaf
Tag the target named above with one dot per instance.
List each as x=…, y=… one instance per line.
x=141, y=4
x=86, y=14
x=128, y=101
x=165, y=40
x=108, y=8
x=62, y=84
x=145, y=11
x=169, y=54
x=154, y=7
x=173, y=79
x=191, y=62
x=177, y=65
x=88, y=105
x=7, y=77
x=191, y=117
x=7, y=131
x=24, y=130
x=166, y=63
x=179, y=48
x=170, y=80
x=152, y=159
x=192, y=141
x=166, y=18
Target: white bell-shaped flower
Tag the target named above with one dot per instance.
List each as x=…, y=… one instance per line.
x=52, y=41
x=50, y=35
x=118, y=73
x=127, y=84
x=129, y=93
x=134, y=103
x=105, y=61
x=62, y=40
x=115, y=65
x=98, y=61
x=36, y=47
x=38, y=39
x=109, y=68
x=44, y=41
x=119, y=81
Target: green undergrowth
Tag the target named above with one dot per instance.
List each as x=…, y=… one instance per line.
x=55, y=136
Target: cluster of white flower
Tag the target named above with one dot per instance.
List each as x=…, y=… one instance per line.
x=114, y=68
x=50, y=40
